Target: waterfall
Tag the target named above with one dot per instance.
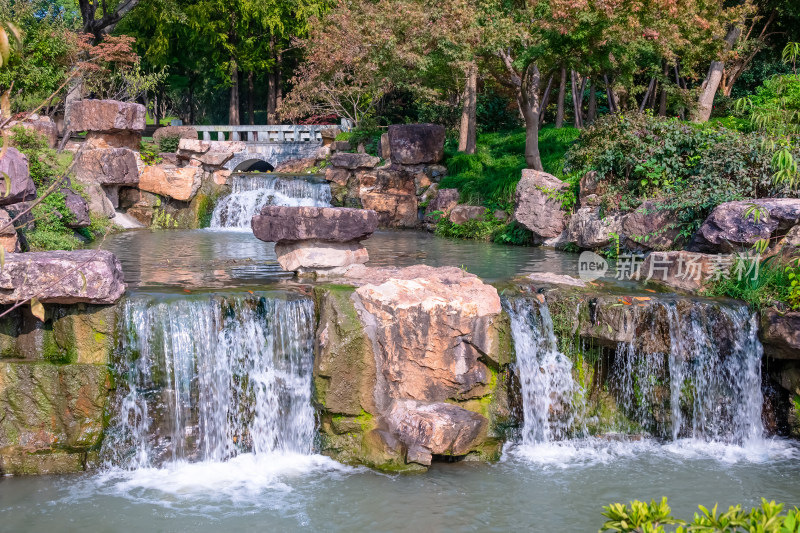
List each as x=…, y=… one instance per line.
x=708, y=386
x=251, y=193
x=545, y=374
x=206, y=379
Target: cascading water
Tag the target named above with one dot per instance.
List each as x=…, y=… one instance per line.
x=249, y=194
x=706, y=386
x=545, y=374
x=211, y=378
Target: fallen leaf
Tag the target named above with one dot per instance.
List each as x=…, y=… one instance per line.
x=37, y=309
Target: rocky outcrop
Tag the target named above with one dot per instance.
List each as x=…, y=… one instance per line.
x=109, y=116
x=167, y=180
x=108, y=166
x=590, y=190
x=102, y=141
x=780, y=334
x=589, y=231
x=20, y=186
x=651, y=227
x=81, y=276
x=735, y=226
x=688, y=271
x=52, y=416
x=391, y=194
x=412, y=364
x=415, y=144
x=537, y=207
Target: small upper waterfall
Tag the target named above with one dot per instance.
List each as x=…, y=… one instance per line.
x=707, y=386
x=205, y=379
x=251, y=193
x=545, y=374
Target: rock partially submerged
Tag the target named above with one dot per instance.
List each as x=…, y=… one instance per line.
x=412, y=364
x=320, y=256
x=88, y=276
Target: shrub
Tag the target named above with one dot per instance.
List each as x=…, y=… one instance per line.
x=169, y=144
x=772, y=284
x=149, y=153
x=641, y=517
x=686, y=167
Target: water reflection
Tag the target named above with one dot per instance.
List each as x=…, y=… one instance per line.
x=214, y=259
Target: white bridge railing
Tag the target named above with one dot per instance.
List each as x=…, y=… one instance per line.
x=263, y=134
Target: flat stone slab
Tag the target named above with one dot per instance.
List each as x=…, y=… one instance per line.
x=88, y=276
x=331, y=224
x=110, y=116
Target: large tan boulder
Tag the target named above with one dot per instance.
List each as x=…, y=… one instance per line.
x=20, y=187
x=107, y=166
x=179, y=183
x=181, y=132
x=462, y=214
x=391, y=193
x=110, y=116
x=80, y=276
x=537, y=207
x=432, y=331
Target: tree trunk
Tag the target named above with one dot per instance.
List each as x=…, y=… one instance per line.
x=709, y=88
x=272, y=86
x=545, y=100
x=466, y=133
x=528, y=99
x=577, y=86
x=562, y=90
x=613, y=106
x=591, y=112
x=191, y=104
x=662, y=103
x=233, y=108
x=278, y=87
x=646, y=97
x=251, y=97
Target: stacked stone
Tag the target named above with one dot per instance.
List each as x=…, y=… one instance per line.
x=394, y=190
x=109, y=158
x=21, y=190
x=316, y=240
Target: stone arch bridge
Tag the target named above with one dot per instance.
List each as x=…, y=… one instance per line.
x=267, y=146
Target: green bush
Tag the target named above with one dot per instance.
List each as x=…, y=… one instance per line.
x=488, y=228
x=641, y=517
x=168, y=144
x=51, y=216
x=686, y=167
x=369, y=135
x=150, y=153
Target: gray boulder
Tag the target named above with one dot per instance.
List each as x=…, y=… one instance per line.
x=108, y=166
x=353, y=161
x=731, y=228
x=591, y=232
x=80, y=276
x=536, y=207
x=414, y=144
x=651, y=227
x=330, y=224
x=78, y=207
x=21, y=187
x=110, y=116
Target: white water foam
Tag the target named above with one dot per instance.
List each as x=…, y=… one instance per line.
x=249, y=194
